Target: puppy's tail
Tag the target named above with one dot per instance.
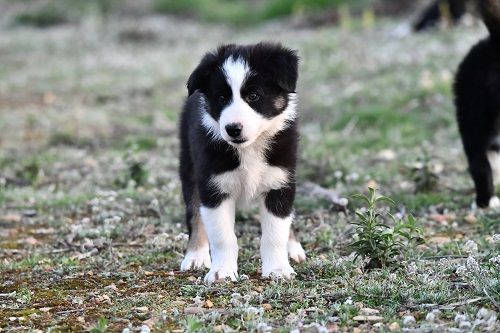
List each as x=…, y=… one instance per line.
x=490, y=11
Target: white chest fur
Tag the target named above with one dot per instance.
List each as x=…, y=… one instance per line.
x=253, y=177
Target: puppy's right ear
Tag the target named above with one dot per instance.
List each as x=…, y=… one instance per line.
x=200, y=78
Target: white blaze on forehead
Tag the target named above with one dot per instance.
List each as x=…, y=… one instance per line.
x=236, y=72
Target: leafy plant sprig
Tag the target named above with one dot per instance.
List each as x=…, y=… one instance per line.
x=376, y=241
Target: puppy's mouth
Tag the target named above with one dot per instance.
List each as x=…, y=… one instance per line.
x=239, y=141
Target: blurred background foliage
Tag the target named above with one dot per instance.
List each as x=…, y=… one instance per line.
x=44, y=13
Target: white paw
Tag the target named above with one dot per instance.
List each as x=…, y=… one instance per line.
x=494, y=203
x=220, y=274
x=295, y=251
x=196, y=259
x=284, y=271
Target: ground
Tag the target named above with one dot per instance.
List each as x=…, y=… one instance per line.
x=91, y=215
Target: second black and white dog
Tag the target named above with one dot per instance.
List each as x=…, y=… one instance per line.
x=238, y=134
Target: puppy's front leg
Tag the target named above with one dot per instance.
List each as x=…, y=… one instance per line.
x=219, y=224
x=275, y=223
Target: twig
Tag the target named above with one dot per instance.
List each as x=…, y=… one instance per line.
x=70, y=311
x=450, y=306
x=454, y=256
x=495, y=303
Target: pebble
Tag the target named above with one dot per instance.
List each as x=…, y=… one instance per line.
x=367, y=318
x=369, y=311
x=267, y=306
x=460, y=317
x=394, y=327
x=409, y=321
x=464, y=325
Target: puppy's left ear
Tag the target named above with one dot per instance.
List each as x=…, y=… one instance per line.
x=286, y=64
x=280, y=64
x=199, y=79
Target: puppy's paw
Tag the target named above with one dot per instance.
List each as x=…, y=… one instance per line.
x=295, y=251
x=494, y=203
x=220, y=274
x=196, y=259
x=284, y=271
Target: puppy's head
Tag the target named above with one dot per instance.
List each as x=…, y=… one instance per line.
x=249, y=90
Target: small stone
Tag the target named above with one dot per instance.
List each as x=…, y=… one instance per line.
x=218, y=328
x=438, y=218
x=145, y=329
x=332, y=328
x=46, y=309
x=30, y=213
x=394, y=327
x=460, y=317
x=439, y=240
x=356, y=330
x=409, y=321
x=267, y=306
x=378, y=325
x=142, y=309
x=483, y=314
x=432, y=316
x=191, y=279
x=464, y=325
x=112, y=287
x=208, y=304
x=471, y=219
x=368, y=318
x=178, y=303
x=369, y=312
x=386, y=155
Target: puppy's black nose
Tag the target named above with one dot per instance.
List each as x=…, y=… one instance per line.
x=234, y=129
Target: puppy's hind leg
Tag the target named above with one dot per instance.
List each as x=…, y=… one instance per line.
x=480, y=170
x=295, y=250
x=197, y=254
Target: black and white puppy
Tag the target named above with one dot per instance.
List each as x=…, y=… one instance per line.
x=238, y=134
x=477, y=100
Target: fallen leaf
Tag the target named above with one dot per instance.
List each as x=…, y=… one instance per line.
x=11, y=218
x=439, y=240
x=438, y=218
x=209, y=304
x=267, y=306
x=31, y=241
x=471, y=219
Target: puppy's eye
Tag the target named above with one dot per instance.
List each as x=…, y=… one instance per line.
x=252, y=97
x=221, y=99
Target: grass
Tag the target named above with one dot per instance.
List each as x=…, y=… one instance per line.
x=91, y=214
x=247, y=12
